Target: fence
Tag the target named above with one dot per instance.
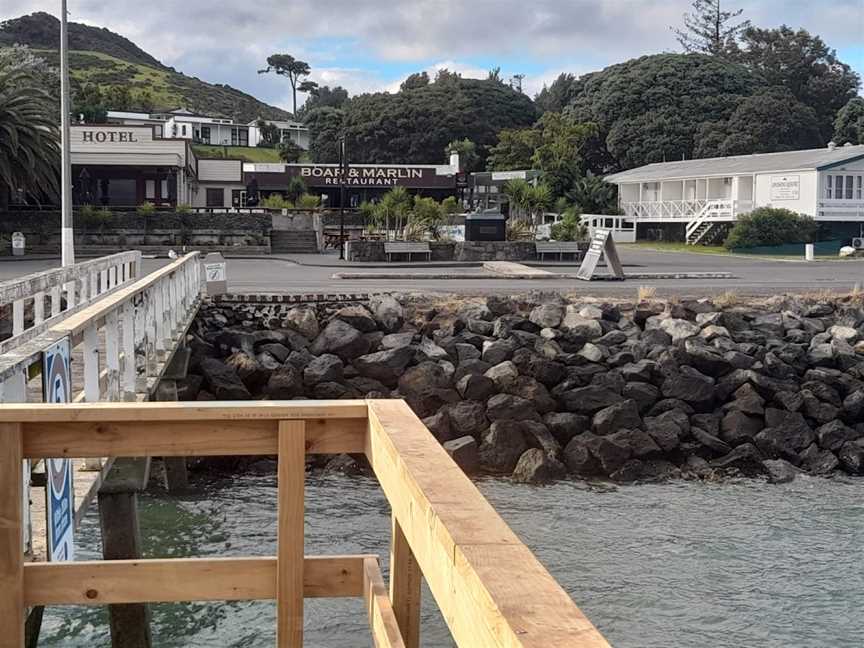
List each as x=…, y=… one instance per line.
x=489, y=587
x=79, y=284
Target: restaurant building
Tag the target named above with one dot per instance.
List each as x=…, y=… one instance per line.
x=699, y=200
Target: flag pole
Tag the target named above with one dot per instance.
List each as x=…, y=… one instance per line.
x=66, y=232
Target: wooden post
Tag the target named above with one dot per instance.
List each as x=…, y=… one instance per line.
x=289, y=567
x=55, y=301
x=121, y=540
x=405, y=579
x=112, y=356
x=17, y=317
x=39, y=308
x=11, y=533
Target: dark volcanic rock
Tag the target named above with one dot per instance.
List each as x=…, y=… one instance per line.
x=222, y=381
x=536, y=467
x=468, y=417
x=745, y=458
x=566, y=425
x=780, y=471
x=340, y=339
x=358, y=317
x=818, y=462
x=506, y=407
x=324, y=368
x=623, y=415
x=502, y=446
x=464, y=452
x=386, y=365
x=588, y=400
x=285, y=383
x=475, y=387
x=851, y=456
x=737, y=427
x=690, y=386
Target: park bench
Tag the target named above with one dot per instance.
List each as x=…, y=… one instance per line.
x=560, y=248
x=407, y=247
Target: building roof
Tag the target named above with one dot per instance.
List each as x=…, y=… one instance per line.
x=810, y=159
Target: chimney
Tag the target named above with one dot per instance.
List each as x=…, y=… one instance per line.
x=454, y=161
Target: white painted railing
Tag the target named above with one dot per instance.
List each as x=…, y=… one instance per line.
x=43, y=293
x=686, y=210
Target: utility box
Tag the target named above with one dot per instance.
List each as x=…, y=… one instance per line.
x=485, y=226
x=18, y=244
x=216, y=274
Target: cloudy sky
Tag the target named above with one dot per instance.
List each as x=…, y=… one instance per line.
x=374, y=44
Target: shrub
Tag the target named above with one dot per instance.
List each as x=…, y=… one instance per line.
x=146, y=209
x=296, y=188
x=767, y=226
x=183, y=209
x=570, y=227
x=276, y=201
x=308, y=201
x=519, y=230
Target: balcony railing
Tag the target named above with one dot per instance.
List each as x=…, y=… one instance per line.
x=491, y=590
x=686, y=210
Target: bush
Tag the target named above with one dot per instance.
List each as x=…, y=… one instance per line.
x=768, y=226
x=570, y=227
x=309, y=201
x=519, y=230
x=146, y=209
x=276, y=201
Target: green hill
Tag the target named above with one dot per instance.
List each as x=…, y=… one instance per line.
x=101, y=57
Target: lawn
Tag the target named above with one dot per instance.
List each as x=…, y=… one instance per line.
x=664, y=246
x=246, y=153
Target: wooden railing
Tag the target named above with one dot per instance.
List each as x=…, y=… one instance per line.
x=79, y=284
x=489, y=587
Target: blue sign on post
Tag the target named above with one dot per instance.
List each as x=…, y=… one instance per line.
x=57, y=388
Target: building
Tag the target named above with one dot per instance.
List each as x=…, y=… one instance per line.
x=698, y=200
x=210, y=130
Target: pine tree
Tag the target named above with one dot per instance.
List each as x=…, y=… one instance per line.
x=709, y=29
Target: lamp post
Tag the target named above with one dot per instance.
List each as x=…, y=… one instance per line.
x=343, y=178
x=67, y=239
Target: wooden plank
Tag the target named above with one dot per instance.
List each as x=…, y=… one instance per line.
x=382, y=620
x=112, y=356
x=459, y=540
x=405, y=581
x=290, y=534
x=185, y=438
x=104, y=582
x=185, y=411
x=11, y=536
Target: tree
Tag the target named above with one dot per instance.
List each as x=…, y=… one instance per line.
x=849, y=125
x=326, y=127
x=414, y=81
x=296, y=188
x=559, y=94
x=118, y=98
x=495, y=75
x=538, y=200
x=804, y=65
x=709, y=29
x=766, y=122
x=29, y=146
x=514, y=149
x=444, y=76
x=144, y=100
x=325, y=97
x=650, y=109
x=768, y=226
x=89, y=104
x=592, y=195
x=293, y=69
x=469, y=161
x=559, y=151
x=271, y=136
x=289, y=151
x=570, y=227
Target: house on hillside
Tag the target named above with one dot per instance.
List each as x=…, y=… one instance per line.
x=699, y=200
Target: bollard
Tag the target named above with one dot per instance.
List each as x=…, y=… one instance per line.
x=18, y=244
x=808, y=251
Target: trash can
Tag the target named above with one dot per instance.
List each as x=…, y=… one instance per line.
x=18, y=243
x=485, y=226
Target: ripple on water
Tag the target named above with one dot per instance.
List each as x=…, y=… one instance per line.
x=654, y=566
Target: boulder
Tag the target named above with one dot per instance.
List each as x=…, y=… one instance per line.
x=502, y=446
x=279, y=352
x=533, y=391
x=748, y=400
x=396, y=340
x=537, y=435
x=428, y=350
x=387, y=312
x=222, y=381
x=252, y=372
x=579, y=460
x=285, y=383
x=715, y=445
x=592, y=352
x=834, y=434
x=645, y=394
x=622, y=415
x=678, y=329
x=536, y=467
x=547, y=315
x=851, y=457
x=324, y=368
x=439, y=425
x=737, y=427
x=468, y=417
x=745, y=458
x=303, y=321
x=583, y=327
x=665, y=433
x=498, y=351
x=385, y=366
x=503, y=374
x=341, y=339
x=610, y=452
x=420, y=379
x=566, y=425
x=818, y=462
x=464, y=452
x=506, y=407
x=476, y=387
x=779, y=471
x=357, y=317
x=689, y=385
x=642, y=445
x=783, y=442
x=588, y=400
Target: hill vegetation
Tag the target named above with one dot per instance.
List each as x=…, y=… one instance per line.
x=109, y=61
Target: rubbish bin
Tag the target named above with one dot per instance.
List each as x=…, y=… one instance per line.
x=485, y=226
x=18, y=243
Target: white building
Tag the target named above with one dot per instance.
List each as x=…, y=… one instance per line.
x=697, y=200
x=206, y=129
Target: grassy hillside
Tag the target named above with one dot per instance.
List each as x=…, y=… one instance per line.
x=106, y=59
x=247, y=154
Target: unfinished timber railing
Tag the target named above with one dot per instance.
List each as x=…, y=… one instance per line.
x=489, y=587
x=57, y=293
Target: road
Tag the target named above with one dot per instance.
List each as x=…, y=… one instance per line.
x=752, y=276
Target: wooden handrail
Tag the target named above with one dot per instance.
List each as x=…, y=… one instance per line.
x=490, y=588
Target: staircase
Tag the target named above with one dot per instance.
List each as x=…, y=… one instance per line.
x=709, y=233
x=711, y=223
x=293, y=242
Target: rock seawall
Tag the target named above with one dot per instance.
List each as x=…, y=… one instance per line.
x=540, y=388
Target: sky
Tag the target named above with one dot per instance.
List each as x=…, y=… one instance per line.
x=372, y=45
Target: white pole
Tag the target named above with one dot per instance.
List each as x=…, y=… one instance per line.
x=66, y=234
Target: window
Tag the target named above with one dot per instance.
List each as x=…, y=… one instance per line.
x=829, y=187
x=239, y=137
x=215, y=197
x=849, y=180
x=183, y=130
x=859, y=189
x=205, y=134
x=838, y=187
x=164, y=187
x=149, y=189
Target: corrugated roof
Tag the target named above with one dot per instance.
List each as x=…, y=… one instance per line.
x=740, y=164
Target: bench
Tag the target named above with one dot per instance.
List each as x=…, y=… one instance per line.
x=560, y=248
x=406, y=247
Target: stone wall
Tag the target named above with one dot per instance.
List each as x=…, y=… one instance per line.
x=541, y=388
x=373, y=251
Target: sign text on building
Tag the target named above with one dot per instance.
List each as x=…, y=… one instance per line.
x=785, y=187
x=362, y=176
x=103, y=137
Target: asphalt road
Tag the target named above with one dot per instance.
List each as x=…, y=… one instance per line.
x=752, y=276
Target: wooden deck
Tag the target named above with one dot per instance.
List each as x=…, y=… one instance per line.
x=489, y=587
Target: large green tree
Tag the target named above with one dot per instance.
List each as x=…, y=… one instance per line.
x=469, y=159
x=804, y=65
x=292, y=69
x=767, y=122
x=416, y=125
x=710, y=29
x=326, y=127
x=29, y=140
x=849, y=125
x=558, y=95
x=325, y=97
x=650, y=109
x=514, y=149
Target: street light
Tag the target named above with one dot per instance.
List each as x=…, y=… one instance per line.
x=67, y=237
x=343, y=178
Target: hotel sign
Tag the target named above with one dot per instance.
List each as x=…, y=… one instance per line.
x=785, y=187
x=110, y=136
x=315, y=175
x=102, y=137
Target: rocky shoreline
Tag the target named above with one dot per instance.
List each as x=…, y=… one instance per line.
x=540, y=388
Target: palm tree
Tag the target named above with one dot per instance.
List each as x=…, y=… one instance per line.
x=538, y=199
x=29, y=139
x=517, y=190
